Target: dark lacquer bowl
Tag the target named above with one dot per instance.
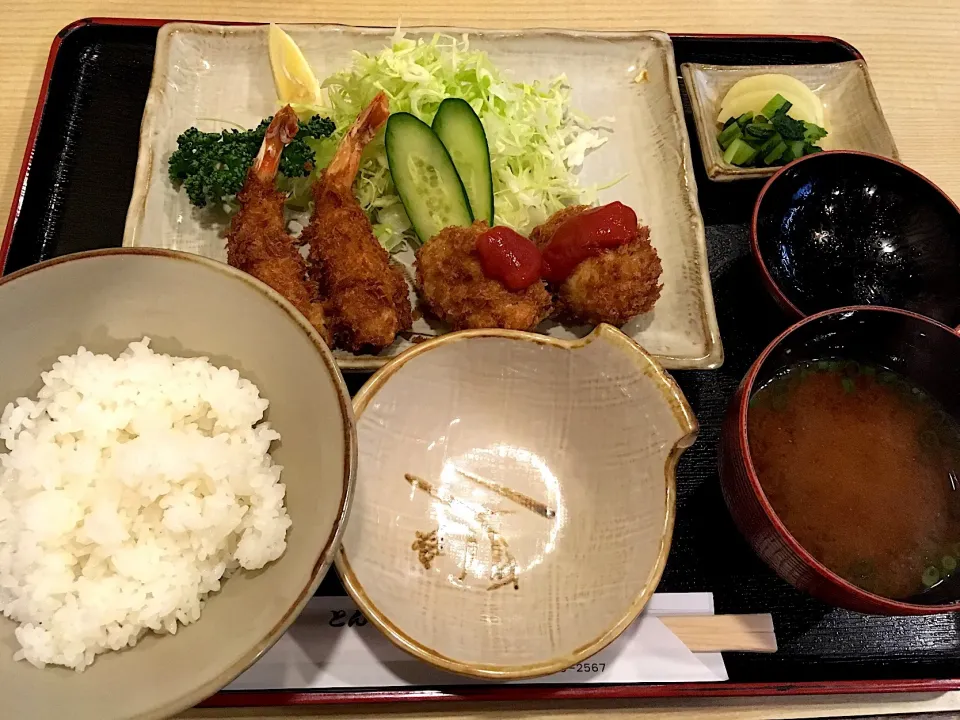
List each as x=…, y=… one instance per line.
x=844, y=228
x=925, y=352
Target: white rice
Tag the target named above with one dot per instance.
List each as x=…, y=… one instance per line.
x=132, y=486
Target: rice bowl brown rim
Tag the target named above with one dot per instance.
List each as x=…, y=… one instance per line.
x=686, y=421
x=325, y=557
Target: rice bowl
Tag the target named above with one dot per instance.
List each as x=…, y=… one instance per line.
x=131, y=487
x=189, y=307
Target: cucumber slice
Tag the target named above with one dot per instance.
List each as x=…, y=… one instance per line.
x=461, y=132
x=425, y=177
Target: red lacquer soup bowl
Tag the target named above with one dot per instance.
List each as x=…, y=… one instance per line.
x=923, y=351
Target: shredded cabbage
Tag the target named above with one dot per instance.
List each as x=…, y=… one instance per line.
x=537, y=141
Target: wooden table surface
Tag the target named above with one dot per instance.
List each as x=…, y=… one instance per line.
x=912, y=47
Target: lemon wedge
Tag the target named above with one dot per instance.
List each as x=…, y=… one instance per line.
x=292, y=76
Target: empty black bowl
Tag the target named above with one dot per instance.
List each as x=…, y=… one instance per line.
x=846, y=228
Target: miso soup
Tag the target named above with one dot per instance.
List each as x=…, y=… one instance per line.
x=862, y=468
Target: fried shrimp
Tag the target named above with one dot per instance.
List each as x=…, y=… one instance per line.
x=453, y=287
x=614, y=284
x=258, y=243
x=366, y=297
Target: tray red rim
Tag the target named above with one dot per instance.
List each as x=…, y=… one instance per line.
x=530, y=693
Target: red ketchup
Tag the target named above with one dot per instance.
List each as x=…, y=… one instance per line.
x=508, y=257
x=586, y=235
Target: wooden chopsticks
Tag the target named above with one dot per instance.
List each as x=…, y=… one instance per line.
x=722, y=633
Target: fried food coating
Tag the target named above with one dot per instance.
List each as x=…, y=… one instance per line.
x=258, y=243
x=452, y=285
x=367, y=297
x=611, y=287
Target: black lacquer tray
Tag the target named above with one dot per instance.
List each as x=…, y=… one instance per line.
x=73, y=193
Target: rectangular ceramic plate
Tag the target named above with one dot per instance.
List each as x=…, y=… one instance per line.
x=207, y=74
x=852, y=112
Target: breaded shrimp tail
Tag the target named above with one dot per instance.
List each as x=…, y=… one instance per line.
x=258, y=243
x=367, y=298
